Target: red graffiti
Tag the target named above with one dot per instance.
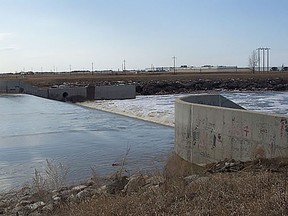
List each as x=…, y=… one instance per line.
x=246, y=130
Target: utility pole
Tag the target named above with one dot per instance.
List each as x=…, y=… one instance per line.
x=124, y=65
x=268, y=56
x=70, y=69
x=92, y=68
x=259, y=66
x=174, y=62
x=263, y=49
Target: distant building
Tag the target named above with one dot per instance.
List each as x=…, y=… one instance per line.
x=159, y=69
x=226, y=67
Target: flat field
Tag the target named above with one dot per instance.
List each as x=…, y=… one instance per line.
x=49, y=79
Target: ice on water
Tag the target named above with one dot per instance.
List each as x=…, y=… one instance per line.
x=160, y=108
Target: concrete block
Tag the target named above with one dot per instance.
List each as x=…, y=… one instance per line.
x=66, y=93
x=10, y=86
x=115, y=92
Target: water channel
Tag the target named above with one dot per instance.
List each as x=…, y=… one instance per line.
x=34, y=129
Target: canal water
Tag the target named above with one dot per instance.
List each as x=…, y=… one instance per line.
x=34, y=129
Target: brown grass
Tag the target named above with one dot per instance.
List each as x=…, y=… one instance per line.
x=240, y=193
x=46, y=80
x=53, y=179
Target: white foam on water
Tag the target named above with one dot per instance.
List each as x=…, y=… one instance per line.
x=157, y=108
x=271, y=102
x=160, y=108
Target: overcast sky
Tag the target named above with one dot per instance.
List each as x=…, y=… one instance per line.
x=58, y=33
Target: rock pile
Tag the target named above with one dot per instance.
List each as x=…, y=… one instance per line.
x=179, y=87
x=44, y=202
x=226, y=166
x=156, y=87
x=261, y=164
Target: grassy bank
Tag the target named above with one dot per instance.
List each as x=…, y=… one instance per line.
x=226, y=188
x=258, y=188
x=222, y=194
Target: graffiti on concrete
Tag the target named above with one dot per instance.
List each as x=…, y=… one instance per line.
x=219, y=133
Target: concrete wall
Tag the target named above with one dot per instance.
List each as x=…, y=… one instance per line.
x=32, y=90
x=66, y=93
x=10, y=86
x=115, y=92
x=205, y=133
x=91, y=93
x=74, y=94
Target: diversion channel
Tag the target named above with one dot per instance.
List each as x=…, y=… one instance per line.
x=34, y=129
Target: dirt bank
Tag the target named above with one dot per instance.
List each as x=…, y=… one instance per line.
x=166, y=83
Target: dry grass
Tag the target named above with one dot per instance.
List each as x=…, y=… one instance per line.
x=46, y=80
x=222, y=194
x=53, y=178
x=240, y=193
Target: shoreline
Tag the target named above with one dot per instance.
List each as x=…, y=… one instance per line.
x=189, y=184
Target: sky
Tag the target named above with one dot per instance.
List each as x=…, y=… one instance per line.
x=51, y=35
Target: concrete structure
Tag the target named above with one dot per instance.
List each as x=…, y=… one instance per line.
x=210, y=128
x=73, y=94
x=29, y=89
x=16, y=86
x=10, y=86
x=115, y=92
x=66, y=93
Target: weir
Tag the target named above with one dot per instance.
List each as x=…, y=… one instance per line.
x=73, y=94
x=211, y=128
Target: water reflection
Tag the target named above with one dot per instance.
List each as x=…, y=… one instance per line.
x=35, y=129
